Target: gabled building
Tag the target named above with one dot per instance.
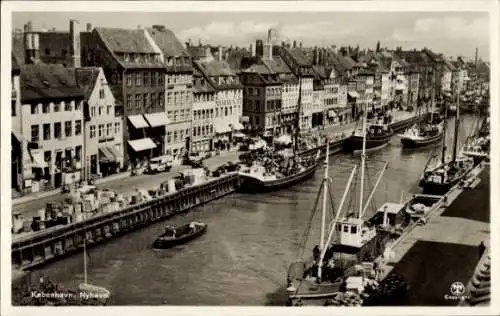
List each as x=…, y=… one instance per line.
x=422, y=64
x=447, y=77
x=134, y=67
x=51, y=137
x=179, y=90
x=103, y=136
x=229, y=100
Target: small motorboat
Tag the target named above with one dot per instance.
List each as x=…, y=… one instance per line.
x=174, y=236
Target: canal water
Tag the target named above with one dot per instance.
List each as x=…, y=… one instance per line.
x=251, y=239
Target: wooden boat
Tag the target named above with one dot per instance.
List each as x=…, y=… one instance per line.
x=349, y=241
x=439, y=179
x=424, y=133
x=378, y=136
x=174, y=236
x=90, y=291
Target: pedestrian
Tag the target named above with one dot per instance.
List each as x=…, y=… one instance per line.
x=482, y=248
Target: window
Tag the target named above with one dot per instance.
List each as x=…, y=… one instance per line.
x=101, y=130
x=92, y=131
x=67, y=128
x=199, y=130
x=129, y=79
x=92, y=111
x=169, y=98
x=129, y=102
x=101, y=93
x=13, y=108
x=34, y=133
x=181, y=134
x=153, y=99
x=57, y=130
x=78, y=152
x=46, y=131
x=78, y=106
x=211, y=113
x=108, y=109
x=47, y=51
x=34, y=109
x=57, y=106
x=47, y=156
x=117, y=127
x=225, y=112
x=211, y=129
x=175, y=136
x=145, y=78
x=101, y=110
x=46, y=108
x=109, y=129
x=161, y=99
x=169, y=137
x=194, y=131
x=138, y=101
x=160, y=78
x=78, y=127
x=138, y=79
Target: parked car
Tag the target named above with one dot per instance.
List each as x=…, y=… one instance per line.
x=194, y=160
x=159, y=164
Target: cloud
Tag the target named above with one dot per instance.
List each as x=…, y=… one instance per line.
x=453, y=27
x=248, y=30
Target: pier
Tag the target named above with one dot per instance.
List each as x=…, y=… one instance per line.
x=445, y=250
x=33, y=249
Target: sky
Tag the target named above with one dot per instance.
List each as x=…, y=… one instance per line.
x=450, y=33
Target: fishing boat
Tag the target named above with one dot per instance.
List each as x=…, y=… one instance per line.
x=378, y=134
x=477, y=145
x=266, y=175
x=439, y=179
x=174, y=236
x=350, y=241
x=423, y=133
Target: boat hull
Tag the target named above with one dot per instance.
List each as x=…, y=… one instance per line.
x=355, y=143
x=408, y=142
x=249, y=184
x=429, y=187
x=169, y=243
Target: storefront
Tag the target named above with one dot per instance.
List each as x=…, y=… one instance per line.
x=156, y=131
x=222, y=136
x=108, y=160
x=140, y=150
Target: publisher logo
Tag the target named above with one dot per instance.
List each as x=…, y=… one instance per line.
x=457, y=290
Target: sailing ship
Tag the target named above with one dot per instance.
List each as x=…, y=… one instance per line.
x=423, y=133
x=266, y=175
x=351, y=240
x=89, y=290
x=477, y=146
x=374, y=136
x=439, y=179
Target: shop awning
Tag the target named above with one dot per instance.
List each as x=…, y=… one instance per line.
x=106, y=153
x=239, y=135
x=142, y=144
x=157, y=119
x=353, y=94
x=236, y=126
x=138, y=121
x=37, y=159
x=222, y=128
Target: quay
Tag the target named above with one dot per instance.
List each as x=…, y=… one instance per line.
x=36, y=248
x=445, y=250
x=33, y=249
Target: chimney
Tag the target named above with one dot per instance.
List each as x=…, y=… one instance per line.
x=252, y=50
x=29, y=27
x=74, y=36
x=294, y=44
x=334, y=49
x=300, y=44
x=315, y=56
x=89, y=27
x=220, y=53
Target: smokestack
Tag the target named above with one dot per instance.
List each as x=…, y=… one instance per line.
x=252, y=50
x=300, y=44
x=315, y=55
x=74, y=44
x=89, y=27
x=220, y=53
x=475, y=59
x=294, y=44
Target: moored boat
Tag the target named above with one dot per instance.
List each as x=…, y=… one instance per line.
x=174, y=236
x=415, y=137
x=378, y=136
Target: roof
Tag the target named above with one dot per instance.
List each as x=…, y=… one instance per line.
x=206, y=88
x=321, y=71
x=448, y=63
x=299, y=56
x=18, y=48
x=125, y=40
x=86, y=79
x=277, y=65
x=259, y=68
x=216, y=68
x=41, y=82
x=166, y=40
x=198, y=52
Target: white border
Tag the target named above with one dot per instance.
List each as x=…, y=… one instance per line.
x=257, y=6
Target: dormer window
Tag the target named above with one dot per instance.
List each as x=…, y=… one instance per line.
x=136, y=58
x=147, y=58
x=126, y=57
x=169, y=61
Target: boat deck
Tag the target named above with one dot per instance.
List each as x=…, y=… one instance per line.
x=445, y=250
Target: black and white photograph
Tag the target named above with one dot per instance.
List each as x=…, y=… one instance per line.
x=262, y=154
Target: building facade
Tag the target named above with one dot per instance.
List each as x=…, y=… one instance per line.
x=135, y=69
x=103, y=135
x=17, y=142
x=52, y=126
x=203, y=120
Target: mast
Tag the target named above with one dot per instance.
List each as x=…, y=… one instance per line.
x=297, y=122
x=457, y=123
x=325, y=194
x=85, y=260
x=362, y=165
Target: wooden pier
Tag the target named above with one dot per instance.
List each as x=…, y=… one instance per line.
x=37, y=248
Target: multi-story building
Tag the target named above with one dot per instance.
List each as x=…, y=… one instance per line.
x=179, y=90
x=344, y=111
x=302, y=68
x=332, y=112
x=229, y=100
x=16, y=137
x=103, y=136
x=204, y=104
x=318, y=106
x=135, y=69
x=446, y=80
x=52, y=120
x=421, y=63
x=413, y=86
